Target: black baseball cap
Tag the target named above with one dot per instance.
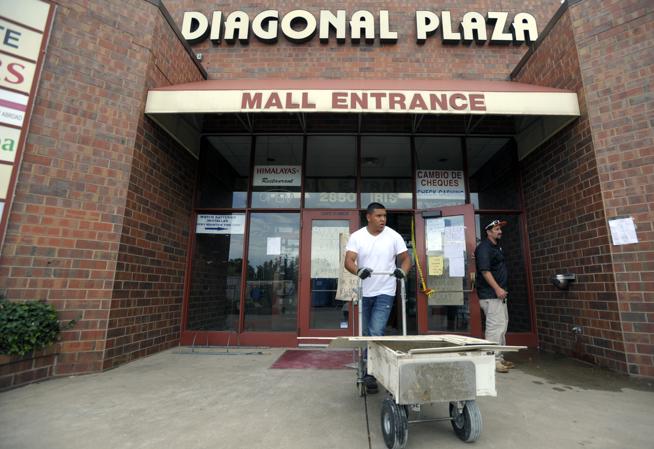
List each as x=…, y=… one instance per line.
x=494, y=223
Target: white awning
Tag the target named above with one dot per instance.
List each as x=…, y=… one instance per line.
x=555, y=107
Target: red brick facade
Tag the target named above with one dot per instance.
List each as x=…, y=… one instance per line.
x=598, y=168
x=614, y=41
x=402, y=60
x=566, y=222
x=99, y=223
x=100, y=220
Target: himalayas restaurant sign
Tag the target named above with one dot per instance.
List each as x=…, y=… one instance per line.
x=24, y=30
x=277, y=176
x=300, y=26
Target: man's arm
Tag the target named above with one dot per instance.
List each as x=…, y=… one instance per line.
x=351, y=262
x=405, y=261
x=499, y=291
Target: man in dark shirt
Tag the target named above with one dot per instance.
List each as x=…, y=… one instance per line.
x=492, y=283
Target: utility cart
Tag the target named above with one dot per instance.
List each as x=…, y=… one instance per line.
x=425, y=369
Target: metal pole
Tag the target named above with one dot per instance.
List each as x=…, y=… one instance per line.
x=360, y=305
x=403, y=291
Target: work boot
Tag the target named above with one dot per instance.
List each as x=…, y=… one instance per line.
x=371, y=384
x=500, y=368
x=509, y=365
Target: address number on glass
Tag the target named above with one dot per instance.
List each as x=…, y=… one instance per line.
x=337, y=197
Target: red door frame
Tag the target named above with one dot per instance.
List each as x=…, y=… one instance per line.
x=304, y=308
x=468, y=213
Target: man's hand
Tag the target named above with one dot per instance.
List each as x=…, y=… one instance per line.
x=399, y=273
x=364, y=272
x=501, y=293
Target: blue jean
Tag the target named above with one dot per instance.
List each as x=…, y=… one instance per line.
x=376, y=310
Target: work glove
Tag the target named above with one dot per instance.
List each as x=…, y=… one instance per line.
x=399, y=273
x=364, y=272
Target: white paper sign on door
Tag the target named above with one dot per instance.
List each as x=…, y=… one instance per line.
x=274, y=246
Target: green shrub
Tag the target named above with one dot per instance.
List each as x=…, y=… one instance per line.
x=27, y=326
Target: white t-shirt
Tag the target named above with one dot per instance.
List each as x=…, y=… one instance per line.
x=377, y=252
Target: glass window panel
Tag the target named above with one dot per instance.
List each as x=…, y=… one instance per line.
x=277, y=172
x=224, y=172
x=215, y=282
x=330, y=180
x=493, y=173
x=326, y=311
x=440, y=178
x=511, y=242
x=386, y=171
x=446, y=274
x=272, y=272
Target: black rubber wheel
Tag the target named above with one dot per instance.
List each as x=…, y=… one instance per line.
x=395, y=424
x=467, y=425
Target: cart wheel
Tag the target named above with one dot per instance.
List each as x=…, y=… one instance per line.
x=467, y=425
x=361, y=385
x=395, y=425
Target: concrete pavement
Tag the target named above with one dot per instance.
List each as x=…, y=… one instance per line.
x=184, y=401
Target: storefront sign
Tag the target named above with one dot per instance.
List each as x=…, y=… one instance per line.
x=277, y=176
x=440, y=185
x=23, y=35
x=220, y=224
x=300, y=26
x=493, y=98
x=381, y=101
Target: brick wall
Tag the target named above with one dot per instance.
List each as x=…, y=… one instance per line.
x=566, y=221
x=614, y=42
x=68, y=240
x=148, y=289
x=405, y=59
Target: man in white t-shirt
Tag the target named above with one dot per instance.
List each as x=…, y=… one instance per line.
x=376, y=248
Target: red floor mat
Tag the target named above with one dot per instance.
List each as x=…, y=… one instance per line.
x=314, y=359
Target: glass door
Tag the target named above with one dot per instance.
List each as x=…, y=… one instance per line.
x=324, y=310
x=445, y=239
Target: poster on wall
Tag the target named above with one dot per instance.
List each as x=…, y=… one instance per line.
x=220, y=224
x=277, y=176
x=25, y=32
x=440, y=185
x=623, y=230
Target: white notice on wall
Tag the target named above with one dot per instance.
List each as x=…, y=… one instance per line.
x=274, y=246
x=220, y=224
x=623, y=231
